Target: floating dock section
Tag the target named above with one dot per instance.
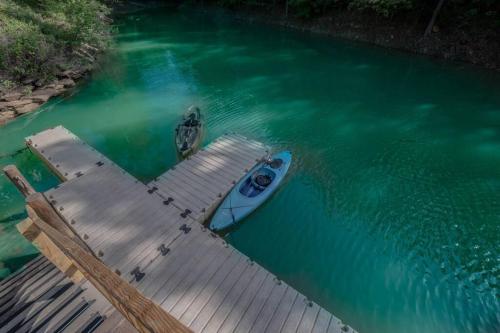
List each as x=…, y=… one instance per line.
x=152, y=236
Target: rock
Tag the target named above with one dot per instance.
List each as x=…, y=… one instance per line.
x=18, y=103
x=3, y=105
x=59, y=88
x=45, y=91
x=64, y=74
x=38, y=83
x=27, y=108
x=41, y=98
x=11, y=97
x=67, y=83
x=6, y=116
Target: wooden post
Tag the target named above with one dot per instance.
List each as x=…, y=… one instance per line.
x=141, y=312
x=18, y=180
x=32, y=233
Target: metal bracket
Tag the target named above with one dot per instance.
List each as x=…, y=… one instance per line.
x=100, y=163
x=153, y=189
x=138, y=275
x=79, y=174
x=186, y=213
x=164, y=250
x=168, y=201
x=185, y=228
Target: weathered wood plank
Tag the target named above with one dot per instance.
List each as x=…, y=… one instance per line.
x=199, y=283
x=234, y=266
x=269, y=308
x=261, y=296
x=295, y=315
x=205, y=323
x=309, y=318
x=281, y=313
x=239, y=309
x=322, y=322
x=18, y=278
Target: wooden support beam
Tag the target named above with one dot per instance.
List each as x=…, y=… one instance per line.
x=141, y=312
x=32, y=233
x=18, y=180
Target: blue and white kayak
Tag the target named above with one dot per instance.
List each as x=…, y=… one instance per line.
x=250, y=192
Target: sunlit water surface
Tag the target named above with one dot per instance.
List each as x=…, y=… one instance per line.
x=390, y=215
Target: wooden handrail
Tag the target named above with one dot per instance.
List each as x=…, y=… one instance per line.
x=18, y=180
x=141, y=312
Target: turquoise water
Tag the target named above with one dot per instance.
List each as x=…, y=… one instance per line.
x=390, y=215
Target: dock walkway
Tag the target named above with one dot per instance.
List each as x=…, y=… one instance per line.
x=152, y=236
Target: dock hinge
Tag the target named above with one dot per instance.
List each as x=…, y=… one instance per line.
x=153, y=189
x=185, y=228
x=163, y=250
x=138, y=275
x=168, y=201
x=185, y=213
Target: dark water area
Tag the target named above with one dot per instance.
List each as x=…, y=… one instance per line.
x=390, y=214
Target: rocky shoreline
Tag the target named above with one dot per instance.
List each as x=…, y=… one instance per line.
x=29, y=97
x=31, y=93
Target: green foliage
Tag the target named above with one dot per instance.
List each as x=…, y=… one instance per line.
x=35, y=34
x=383, y=7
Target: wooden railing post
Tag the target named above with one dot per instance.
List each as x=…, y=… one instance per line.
x=32, y=233
x=18, y=180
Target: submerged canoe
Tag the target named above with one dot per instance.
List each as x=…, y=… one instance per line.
x=255, y=188
x=189, y=132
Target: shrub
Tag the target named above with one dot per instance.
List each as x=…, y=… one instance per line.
x=34, y=35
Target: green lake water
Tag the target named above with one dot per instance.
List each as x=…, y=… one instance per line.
x=390, y=214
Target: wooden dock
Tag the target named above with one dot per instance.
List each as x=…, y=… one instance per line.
x=152, y=236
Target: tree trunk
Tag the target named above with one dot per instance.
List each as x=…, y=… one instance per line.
x=433, y=19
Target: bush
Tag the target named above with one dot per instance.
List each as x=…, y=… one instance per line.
x=34, y=35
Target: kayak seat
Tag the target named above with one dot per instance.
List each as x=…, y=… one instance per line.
x=262, y=178
x=276, y=163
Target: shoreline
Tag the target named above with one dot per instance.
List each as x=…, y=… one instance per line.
x=479, y=47
x=29, y=96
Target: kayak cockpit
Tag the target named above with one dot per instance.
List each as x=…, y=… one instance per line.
x=260, y=179
x=257, y=182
